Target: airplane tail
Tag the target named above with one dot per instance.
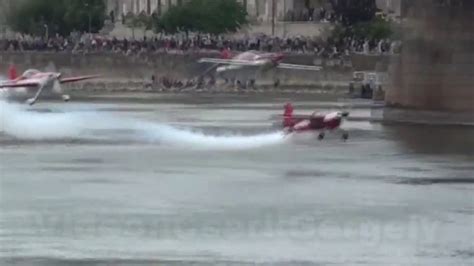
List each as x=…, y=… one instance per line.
x=226, y=53
x=288, y=115
x=12, y=73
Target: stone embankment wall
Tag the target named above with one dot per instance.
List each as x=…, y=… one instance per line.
x=121, y=68
x=435, y=70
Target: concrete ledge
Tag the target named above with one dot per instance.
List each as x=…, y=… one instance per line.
x=389, y=115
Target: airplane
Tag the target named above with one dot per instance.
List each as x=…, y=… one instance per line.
x=295, y=123
x=252, y=59
x=42, y=81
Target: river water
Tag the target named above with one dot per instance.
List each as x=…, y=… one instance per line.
x=179, y=182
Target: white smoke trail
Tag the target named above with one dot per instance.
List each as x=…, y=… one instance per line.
x=192, y=139
x=20, y=123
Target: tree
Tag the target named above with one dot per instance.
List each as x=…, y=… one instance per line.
x=208, y=16
x=82, y=14
x=141, y=20
x=177, y=18
x=359, y=20
x=57, y=16
x=376, y=29
x=354, y=11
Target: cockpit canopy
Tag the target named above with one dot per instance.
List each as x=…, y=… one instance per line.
x=30, y=72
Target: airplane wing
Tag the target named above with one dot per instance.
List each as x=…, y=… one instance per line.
x=74, y=79
x=229, y=62
x=299, y=67
x=21, y=83
x=295, y=116
x=302, y=125
x=38, y=82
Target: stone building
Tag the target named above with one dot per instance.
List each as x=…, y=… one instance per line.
x=5, y=6
x=392, y=8
x=258, y=9
x=263, y=9
x=260, y=13
x=138, y=6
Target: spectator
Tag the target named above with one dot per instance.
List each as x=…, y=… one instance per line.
x=112, y=16
x=196, y=43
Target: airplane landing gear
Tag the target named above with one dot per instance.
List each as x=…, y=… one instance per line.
x=276, y=83
x=239, y=84
x=321, y=136
x=251, y=83
x=31, y=101
x=345, y=136
x=66, y=97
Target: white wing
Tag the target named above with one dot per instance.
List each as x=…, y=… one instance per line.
x=302, y=124
x=22, y=83
x=231, y=62
x=331, y=116
x=299, y=67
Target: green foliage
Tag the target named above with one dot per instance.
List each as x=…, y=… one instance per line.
x=60, y=16
x=207, y=16
x=145, y=21
x=376, y=30
x=141, y=20
x=177, y=18
x=359, y=20
x=354, y=11
x=338, y=33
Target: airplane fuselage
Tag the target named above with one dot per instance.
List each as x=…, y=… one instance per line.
x=39, y=81
x=263, y=62
x=245, y=67
x=22, y=89
x=317, y=123
x=47, y=80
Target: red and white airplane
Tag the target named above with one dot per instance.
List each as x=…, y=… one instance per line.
x=252, y=59
x=41, y=81
x=314, y=122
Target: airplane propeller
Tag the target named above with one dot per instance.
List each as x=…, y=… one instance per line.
x=56, y=85
x=344, y=114
x=51, y=67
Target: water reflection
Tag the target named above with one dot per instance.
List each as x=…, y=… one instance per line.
x=456, y=140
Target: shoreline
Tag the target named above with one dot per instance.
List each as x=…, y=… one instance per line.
x=107, y=87
x=380, y=113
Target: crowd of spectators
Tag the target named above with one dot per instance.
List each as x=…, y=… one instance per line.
x=85, y=43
